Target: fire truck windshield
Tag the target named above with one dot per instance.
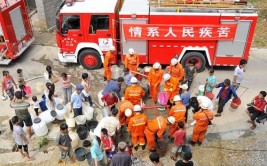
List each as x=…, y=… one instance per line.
x=69, y=22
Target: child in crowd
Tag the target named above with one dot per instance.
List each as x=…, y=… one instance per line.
x=190, y=72
x=63, y=141
x=8, y=84
x=35, y=105
x=179, y=141
x=20, y=137
x=21, y=82
x=107, y=143
x=185, y=162
x=86, y=91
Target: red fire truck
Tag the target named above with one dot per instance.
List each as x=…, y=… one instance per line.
x=16, y=33
x=213, y=35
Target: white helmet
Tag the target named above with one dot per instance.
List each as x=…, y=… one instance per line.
x=137, y=108
x=174, y=61
x=177, y=98
x=156, y=65
x=131, y=51
x=112, y=48
x=171, y=119
x=184, y=86
x=133, y=80
x=128, y=112
x=166, y=77
x=204, y=105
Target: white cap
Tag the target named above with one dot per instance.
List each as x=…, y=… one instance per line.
x=131, y=51
x=171, y=119
x=204, y=105
x=174, y=61
x=147, y=69
x=156, y=65
x=137, y=108
x=177, y=98
x=133, y=80
x=166, y=76
x=112, y=48
x=128, y=112
x=184, y=86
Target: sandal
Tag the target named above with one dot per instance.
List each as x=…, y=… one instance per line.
x=252, y=127
x=173, y=158
x=217, y=115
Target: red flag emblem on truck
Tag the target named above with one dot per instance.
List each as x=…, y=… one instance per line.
x=179, y=32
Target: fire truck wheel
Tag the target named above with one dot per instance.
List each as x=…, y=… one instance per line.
x=90, y=59
x=199, y=57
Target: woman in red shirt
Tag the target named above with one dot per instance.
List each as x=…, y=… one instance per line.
x=8, y=85
x=110, y=100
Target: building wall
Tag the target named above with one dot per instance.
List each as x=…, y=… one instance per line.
x=46, y=10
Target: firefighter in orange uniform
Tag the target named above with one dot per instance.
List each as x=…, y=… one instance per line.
x=132, y=61
x=156, y=126
x=107, y=63
x=125, y=112
x=203, y=118
x=136, y=128
x=154, y=78
x=171, y=86
x=176, y=70
x=178, y=112
x=134, y=93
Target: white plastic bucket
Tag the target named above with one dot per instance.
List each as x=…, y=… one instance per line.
x=116, y=72
x=60, y=109
x=88, y=111
x=99, y=95
x=75, y=139
x=39, y=127
x=105, y=111
x=80, y=120
x=69, y=116
x=47, y=117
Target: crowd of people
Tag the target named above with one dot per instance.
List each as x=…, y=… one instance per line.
x=126, y=109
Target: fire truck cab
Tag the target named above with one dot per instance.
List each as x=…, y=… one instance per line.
x=16, y=33
x=217, y=35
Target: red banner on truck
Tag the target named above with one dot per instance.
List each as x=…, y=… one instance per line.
x=179, y=32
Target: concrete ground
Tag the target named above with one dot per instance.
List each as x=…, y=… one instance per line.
x=231, y=125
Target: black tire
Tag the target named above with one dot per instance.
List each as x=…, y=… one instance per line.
x=199, y=57
x=90, y=59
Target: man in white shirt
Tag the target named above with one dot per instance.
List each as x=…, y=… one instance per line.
x=239, y=74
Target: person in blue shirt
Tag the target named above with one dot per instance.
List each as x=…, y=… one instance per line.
x=185, y=97
x=211, y=81
x=76, y=101
x=114, y=86
x=224, y=95
x=127, y=75
x=96, y=153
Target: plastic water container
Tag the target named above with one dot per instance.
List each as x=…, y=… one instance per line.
x=48, y=116
x=88, y=111
x=39, y=127
x=60, y=109
x=28, y=90
x=69, y=116
x=201, y=89
x=39, y=86
x=105, y=111
x=75, y=139
x=80, y=120
x=116, y=72
x=99, y=95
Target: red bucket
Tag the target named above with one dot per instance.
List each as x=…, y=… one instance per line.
x=210, y=95
x=235, y=103
x=28, y=90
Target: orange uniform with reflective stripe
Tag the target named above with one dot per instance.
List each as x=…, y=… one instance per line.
x=155, y=126
x=134, y=94
x=132, y=62
x=154, y=79
x=107, y=65
x=172, y=87
x=125, y=104
x=136, y=127
x=201, y=126
x=178, y=112
x=176, y=71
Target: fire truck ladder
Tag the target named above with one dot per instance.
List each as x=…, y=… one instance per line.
x=198, y=3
